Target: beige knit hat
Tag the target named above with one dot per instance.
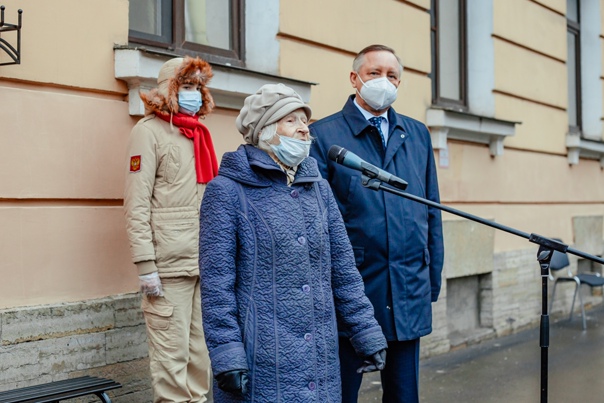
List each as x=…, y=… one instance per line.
x=268, y=105
x=172, y=75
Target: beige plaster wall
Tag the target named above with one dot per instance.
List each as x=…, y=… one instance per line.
x=529, y=75
x=515, y=20
x=530, y=192
x=530, y=72
x=65, y=124
x=530, y=187
x=333, y=83
x=61, y=173
x=352, y=27
x=556, y=5
x=542, y=127
x=518, y=177
x=61, y=143
x=60, y=252
x=309, y=54
x=68, y=42
x=64, y=127
x=554, y=221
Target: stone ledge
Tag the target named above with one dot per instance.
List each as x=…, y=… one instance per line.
x=103, y=337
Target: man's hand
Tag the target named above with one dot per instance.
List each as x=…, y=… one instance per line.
x=374, y=362
x=150, y=285
x=233, y=381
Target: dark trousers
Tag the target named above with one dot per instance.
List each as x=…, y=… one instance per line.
x=400, y=378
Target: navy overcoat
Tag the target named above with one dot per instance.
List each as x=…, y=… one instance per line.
x=397, y=243
x=277, y=274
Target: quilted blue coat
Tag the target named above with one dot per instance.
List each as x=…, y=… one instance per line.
x=277, y=277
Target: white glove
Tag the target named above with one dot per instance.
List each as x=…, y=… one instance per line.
x=151, y=285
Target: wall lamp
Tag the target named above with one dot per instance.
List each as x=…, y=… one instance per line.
x=10, y=50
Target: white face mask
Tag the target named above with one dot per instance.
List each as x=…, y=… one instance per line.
x=291, y=151
x=378, y=93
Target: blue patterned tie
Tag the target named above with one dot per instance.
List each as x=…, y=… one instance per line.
x=377, y=122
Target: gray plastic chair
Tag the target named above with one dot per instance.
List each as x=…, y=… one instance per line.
x=559, y=262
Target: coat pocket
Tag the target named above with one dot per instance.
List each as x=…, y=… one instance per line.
x=158, y=314
x=176, y=237
x=172, y=164
x=359, y=255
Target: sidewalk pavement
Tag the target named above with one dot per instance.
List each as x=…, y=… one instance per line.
x=508, y=369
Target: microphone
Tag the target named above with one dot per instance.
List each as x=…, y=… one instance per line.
x=351, y=160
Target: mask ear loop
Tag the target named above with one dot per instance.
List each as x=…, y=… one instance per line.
x=362, y=82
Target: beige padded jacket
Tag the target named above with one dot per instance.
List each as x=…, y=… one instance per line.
x=162, y=200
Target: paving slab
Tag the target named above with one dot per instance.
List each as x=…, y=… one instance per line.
x=508, y=369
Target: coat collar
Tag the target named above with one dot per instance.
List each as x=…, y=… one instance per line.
x=397, y=134
x=254, y=167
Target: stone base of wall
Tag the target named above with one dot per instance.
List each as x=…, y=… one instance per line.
x=510, y=301
x=107, y=338
x=104, y=337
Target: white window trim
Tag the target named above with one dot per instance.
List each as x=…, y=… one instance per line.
x=589, y=143
x=448, y=124
x=478, y=125
x=229, y=86
x=579, y=147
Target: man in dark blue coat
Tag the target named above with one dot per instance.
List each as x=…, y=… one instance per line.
x=397, y=243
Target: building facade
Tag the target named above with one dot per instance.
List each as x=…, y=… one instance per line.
x=510, y=89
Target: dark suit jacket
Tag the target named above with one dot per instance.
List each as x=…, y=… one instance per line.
x=397, y=242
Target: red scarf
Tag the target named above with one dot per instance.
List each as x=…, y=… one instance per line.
x=206, y=165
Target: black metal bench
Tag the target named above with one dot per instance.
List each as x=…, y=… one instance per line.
x=61, y=390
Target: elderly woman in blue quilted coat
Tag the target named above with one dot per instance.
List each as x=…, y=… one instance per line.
x=277, y=269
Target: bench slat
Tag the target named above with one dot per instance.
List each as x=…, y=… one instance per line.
x=70, y=395
x=59, y=390
x=50, y=387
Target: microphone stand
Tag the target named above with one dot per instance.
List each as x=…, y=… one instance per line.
x=544, y=255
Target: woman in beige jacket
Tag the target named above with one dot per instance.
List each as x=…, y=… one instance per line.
x=170, y=160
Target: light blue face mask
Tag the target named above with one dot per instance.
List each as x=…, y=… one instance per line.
x=291, y=151
x=189, y=101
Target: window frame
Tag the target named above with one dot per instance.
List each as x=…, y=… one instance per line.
x=462, y=102
x=574, y=28
x=173, y=22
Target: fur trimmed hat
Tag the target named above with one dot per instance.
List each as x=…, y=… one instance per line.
x=268, y=105
x=174, y=73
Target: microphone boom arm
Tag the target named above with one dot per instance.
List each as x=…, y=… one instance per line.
x=544, y=255
x=376, y=184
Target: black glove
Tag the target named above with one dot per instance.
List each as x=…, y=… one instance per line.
x=374, y=362
x=233, y=381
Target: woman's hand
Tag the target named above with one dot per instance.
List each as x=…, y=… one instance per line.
x=374, y=362
x=233, y=381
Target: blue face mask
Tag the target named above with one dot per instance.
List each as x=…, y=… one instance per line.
x=189, y=102
x=291, y=151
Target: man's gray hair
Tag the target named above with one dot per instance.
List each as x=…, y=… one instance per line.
x=360, y=57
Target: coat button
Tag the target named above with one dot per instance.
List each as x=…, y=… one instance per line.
x=402, y=136
x=308, y=337
x=312, y=386
x=294, y=194
x=301, y=240
x=306, y=288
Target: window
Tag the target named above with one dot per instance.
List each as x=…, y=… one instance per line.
x=584, y=66
x=212, y=29
x=463, y=104
x=449, y=67
x=573, y=65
